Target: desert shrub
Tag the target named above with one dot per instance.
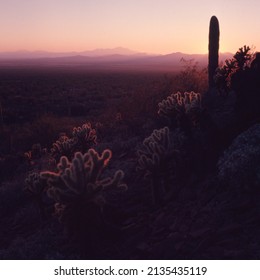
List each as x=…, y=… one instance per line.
x=240, y=163
x=78, y=188
x=42, y=130
x=192, y=77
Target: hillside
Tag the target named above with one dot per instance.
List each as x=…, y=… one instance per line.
x=112, y=59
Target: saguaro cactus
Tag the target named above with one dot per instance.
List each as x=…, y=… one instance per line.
x=213, y=49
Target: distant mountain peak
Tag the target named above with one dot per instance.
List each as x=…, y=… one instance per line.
x=107, y=51
x=25, y=54
x=117, y=59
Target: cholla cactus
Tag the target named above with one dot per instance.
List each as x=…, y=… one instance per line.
x=64, y=146
x=243, y=57
x=182, y=108
x=223, y=74
x=154, y=159
x=155, y=149
x=241, y=61
x=80, y=182
x=82, y=139
x=84, y=136
x=179, y=103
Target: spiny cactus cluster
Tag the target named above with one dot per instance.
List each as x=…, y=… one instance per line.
x=243, y=57
x=64, y=146
x=223, y=75
x=154, y=159
x=82, y=139
x=84, y=136
x=76, y=185
x=240, y=61
x=80, y=181
x=155, y=149
x=178, y=104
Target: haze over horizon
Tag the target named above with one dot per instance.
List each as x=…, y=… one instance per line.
x=94, y=52
x=148, y=26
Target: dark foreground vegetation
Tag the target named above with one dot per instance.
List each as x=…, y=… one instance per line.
x=107, y=165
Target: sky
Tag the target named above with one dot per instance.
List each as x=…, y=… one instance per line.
x=151, y=26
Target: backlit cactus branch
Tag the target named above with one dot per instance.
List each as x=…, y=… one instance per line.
x=243, y=57
x=155, y=149
x=179, y=103
x=64, y=146
x=154, y=159
x=80, y=180
x=84, y=136
x=241, y=61
x=82, y=139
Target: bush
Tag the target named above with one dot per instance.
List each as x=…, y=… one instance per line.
x=240, y=163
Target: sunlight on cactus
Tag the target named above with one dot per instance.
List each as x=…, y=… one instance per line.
x=243, y=57
x=84, y=136
x=155, y=149
x=179, y=103
x=64, y=146
x=241, y=61
x=157, y=159
x=80, y=180
x=82, y=139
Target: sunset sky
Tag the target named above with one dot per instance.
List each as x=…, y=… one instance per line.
x=152, y=26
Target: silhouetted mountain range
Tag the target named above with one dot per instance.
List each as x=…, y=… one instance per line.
x=117, y=59
x=24, y=54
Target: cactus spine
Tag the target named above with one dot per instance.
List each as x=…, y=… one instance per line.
x=213, y=49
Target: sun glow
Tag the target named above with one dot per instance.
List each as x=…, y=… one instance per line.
x=142, y=25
